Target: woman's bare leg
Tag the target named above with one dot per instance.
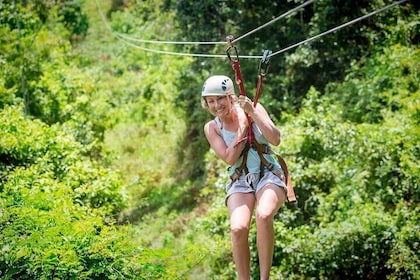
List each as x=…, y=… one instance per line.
x=269, y=201
x=241, y=207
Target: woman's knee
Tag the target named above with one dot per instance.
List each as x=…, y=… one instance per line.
x=239, y=231
x=265, y=214
x=270, y=199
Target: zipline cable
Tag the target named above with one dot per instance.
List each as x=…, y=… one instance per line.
x=337, y=28
x=184, y=54
x=273, y=20
x=181, y=53
x=264, y=25
x=130, y=38
x=120, y=37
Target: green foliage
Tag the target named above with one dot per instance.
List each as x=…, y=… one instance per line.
x=65, y=95
x=355, y=182
x=100, y=130
x=58, y=210
x=32, y=144
x=52, y=213
x=404, y=260
x=37, y=71
x=27, y=16
x=353, y=249
x=73, y=17
x=379, y=87
x=211, y=231
x=361, y=247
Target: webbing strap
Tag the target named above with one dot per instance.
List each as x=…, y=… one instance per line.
x=238, y=76
x=238, y=79
x=257, y=92
x=244, y=160
x=285, y=176
x=262, y=71
x=291, y=197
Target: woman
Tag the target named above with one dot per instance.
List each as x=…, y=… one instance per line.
x=250, y=188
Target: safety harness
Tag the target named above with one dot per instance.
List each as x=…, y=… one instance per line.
x=251, y=142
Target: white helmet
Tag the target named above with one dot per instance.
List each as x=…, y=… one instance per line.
x=218, y=85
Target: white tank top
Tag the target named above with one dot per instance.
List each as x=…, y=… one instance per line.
x=253, y=160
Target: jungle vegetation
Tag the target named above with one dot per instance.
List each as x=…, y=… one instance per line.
x=105, y=172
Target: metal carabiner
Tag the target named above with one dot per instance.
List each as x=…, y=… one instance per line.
x=264, y=63
x=229, y=39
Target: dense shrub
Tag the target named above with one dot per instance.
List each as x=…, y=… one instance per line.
x=357, y=227
x=357, y=248
x=31, y=144
x=58, y=212
x=74, y=18
x=56, y=205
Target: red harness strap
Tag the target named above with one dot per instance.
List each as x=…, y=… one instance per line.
x=262, y=71
x=251, y=141
x=238, y=79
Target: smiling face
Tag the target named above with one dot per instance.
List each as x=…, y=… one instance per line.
x=219, y=105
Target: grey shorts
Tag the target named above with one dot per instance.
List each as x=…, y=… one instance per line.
x=251, y=183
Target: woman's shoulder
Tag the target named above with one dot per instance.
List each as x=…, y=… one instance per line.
x=212, y=126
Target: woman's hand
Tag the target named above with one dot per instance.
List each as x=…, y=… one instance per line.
x=246, y=104
x=259, y=115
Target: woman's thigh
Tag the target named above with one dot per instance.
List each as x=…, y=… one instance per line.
x=241, y=207
x=270, y=198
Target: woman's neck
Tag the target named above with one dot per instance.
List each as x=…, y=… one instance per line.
x=230, y=121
